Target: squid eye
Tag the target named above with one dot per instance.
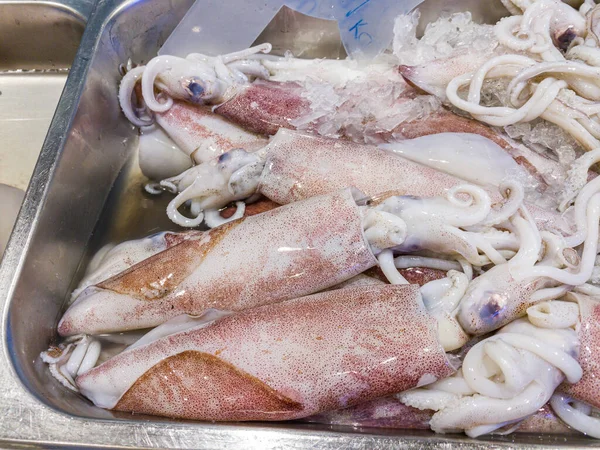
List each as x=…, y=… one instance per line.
x=565, y=38
x=225, y=157
x=491, y=310
x=195, y=89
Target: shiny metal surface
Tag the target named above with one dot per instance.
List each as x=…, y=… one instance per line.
x=304, y=36
x=86, y=191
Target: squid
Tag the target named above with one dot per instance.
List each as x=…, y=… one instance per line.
x=113, y=259
x=549, y=57
x=507, y=377
x=291, y=168
x=328, y=246
x=545, y=267
x=202, y=134
x=262, y=94
x=339, y=99
x=296, y=166
x=259, y=364
x=588, y=332
x=333, y=240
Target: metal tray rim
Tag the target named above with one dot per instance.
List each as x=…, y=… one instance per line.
x=61, y=429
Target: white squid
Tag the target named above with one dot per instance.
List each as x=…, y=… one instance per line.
x=507, y=377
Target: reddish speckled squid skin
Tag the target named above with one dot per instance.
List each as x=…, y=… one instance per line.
x=283, y=361
x=389, y=412
x=300, y=165
x=290, y=251
x=202, y=134
x=414, y=275
x=264, y=107
x=588, y=331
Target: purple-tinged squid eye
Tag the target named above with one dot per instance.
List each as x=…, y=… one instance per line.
x=196, y=90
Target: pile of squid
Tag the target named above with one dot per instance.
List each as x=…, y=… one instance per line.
x=362, y=249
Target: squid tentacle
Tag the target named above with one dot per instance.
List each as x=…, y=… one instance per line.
x=235, y=175
x=244, y=54
x=72, y=359
x=544, y=95
x=531, y=244
x=131, y=78
x=152, y=71
x=504, y=378
x=556, y=253
x=554, y=314
x=576, y=414
x=546, y=294
x=514, y=193
x=505, y=32
x=189, y=193
x=476, y=197
x=512, y=7
x=213, y=218
x=386, y=263
x=251, y=68
x=408, y=261
x=588, y=257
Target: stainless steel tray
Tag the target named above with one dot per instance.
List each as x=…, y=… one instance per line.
x=86, y=191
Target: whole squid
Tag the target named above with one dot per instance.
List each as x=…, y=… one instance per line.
x=277, y=362
x=281, y=254
x=293, y=250
x=296, y=166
